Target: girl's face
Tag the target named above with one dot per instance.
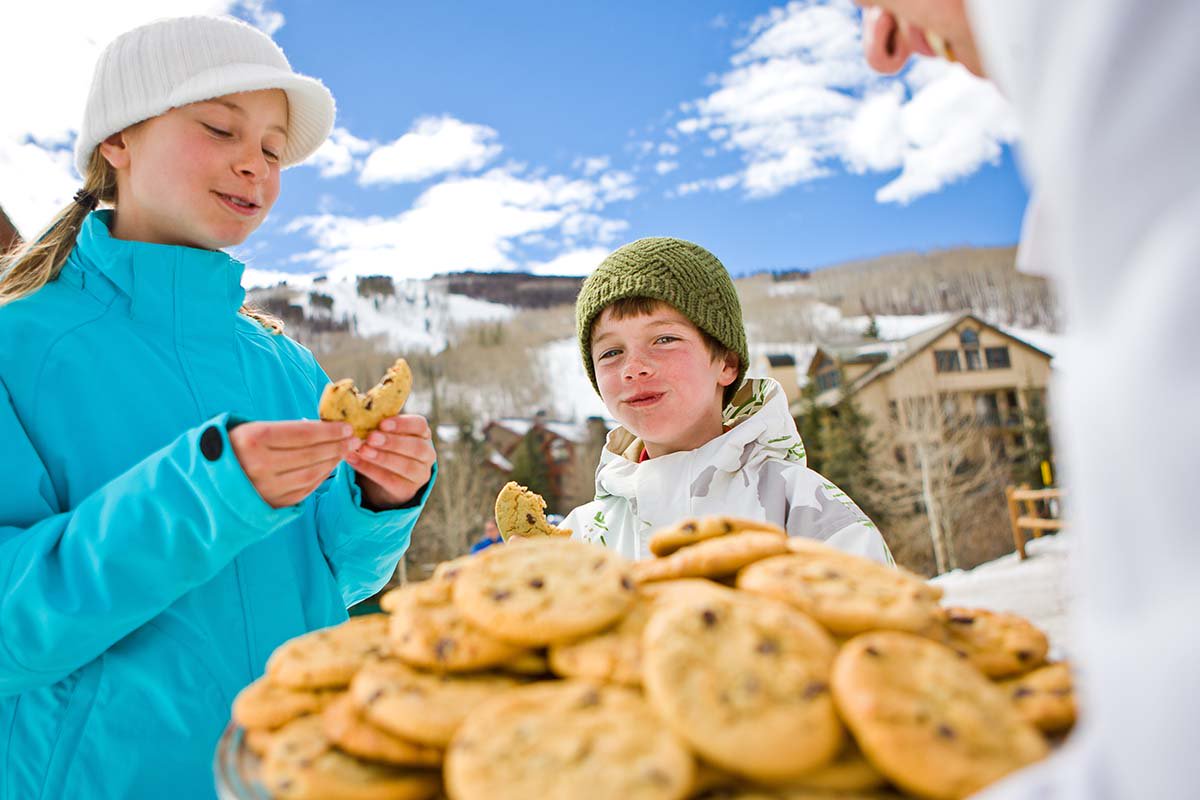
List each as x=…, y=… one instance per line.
x=203, y=175
x=658, y=378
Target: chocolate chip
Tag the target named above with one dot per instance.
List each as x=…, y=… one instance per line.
x=709, y=617
x=832, y=574
x=537, y=583
x=871, y=651
x=1024, y=655
x=499, y=595
x=530, y=519
x=442, y=648
x=961, y=653
x=689, y=527
x=1022, y=691
x=367, y=405
x=658, y=777
x=626, y=583
x=375, y=695
x=599, y=564
x=945, y=731
x=589, y=698
x=961, y=620
x=768, y=647
x=728, y=527
x=815, y=690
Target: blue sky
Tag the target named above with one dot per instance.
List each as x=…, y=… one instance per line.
x=538, y=136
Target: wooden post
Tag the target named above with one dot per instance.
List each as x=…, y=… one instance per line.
x=1014, y=514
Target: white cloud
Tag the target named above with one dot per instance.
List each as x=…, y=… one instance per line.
x=469, y=223
x=257, y=278
x=721, y=184
x=668, y=149
x=572, y=262
x=663, y=167
x=339, y=154
x=47, y=54
x=591, y=166
x=434, y=146
x=799, y=102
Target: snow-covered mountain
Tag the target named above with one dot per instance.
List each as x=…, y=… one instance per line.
x=409, y=315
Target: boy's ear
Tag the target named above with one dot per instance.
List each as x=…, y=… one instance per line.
x=729, y=370
x=116, y=150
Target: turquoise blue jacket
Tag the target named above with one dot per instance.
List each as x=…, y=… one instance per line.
x=143, y=581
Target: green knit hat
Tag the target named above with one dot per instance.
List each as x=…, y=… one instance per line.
x=683, y=275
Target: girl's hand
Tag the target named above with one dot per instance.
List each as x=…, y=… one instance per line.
x=286, y=461
x=394, y=461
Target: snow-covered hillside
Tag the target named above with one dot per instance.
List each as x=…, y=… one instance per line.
x=418, y=316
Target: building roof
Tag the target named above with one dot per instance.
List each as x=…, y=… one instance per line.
x=571, y=431
x=905, y=349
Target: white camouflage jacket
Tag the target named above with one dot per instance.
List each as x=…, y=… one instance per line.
x=755, y=470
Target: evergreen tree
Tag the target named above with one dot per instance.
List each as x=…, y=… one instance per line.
x=872, y=331
x=838, y=445
x=1027, y=467
x=847, y=449
x=531, y=470
x=810, y=424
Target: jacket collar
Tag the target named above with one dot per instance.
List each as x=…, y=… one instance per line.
x=762, y=428
x=163, y=283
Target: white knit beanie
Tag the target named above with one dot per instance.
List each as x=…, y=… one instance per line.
x=172, y=62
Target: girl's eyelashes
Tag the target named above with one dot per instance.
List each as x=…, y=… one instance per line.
x=224, y=134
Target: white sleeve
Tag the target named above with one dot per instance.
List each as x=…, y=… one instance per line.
x=1107, y=99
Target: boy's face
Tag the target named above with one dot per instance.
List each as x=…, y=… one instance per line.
x=203, y=175
x=658, y=378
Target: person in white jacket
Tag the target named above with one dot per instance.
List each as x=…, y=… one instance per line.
x=1106, y=96
x=661, y=336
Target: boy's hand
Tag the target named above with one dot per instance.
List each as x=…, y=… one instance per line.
x=394, y=461
x=286, y=461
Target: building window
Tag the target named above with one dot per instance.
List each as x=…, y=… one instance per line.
x=973, y=359
x=901, y=458
x=987, y=409
x=829, y=379
x=997, y=358
x=946, y=361
x=559, y=451
x=969, y=337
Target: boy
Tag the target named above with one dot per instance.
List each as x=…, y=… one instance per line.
x=661, y=335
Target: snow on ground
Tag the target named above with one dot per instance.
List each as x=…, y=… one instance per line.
x=574, y=397
x=1037, y=588
x=898, y=327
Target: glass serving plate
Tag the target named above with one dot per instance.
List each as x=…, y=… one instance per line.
x=235, y=768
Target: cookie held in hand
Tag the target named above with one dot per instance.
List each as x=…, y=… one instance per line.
x=342, y=402
x=520, y=512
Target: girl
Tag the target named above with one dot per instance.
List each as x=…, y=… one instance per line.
x=156, y=543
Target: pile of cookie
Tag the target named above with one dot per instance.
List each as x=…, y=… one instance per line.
x=737, y=663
